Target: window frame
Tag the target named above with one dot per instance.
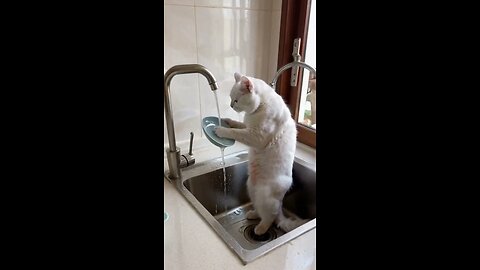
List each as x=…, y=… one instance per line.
x=294, y=23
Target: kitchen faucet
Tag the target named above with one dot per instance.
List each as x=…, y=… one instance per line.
x=175, y=162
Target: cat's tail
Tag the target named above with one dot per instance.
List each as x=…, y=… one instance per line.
x=288, y=224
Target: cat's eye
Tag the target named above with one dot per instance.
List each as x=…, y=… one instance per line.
x=235, y=101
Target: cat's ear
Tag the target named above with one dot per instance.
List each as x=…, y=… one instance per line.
x=237, y=76
x=247, y=86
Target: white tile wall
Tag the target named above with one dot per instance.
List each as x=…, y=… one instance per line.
x=180, y=2
x=226, y=37
x=274, y=37
x=277, y=5
x=242, y=4
x=238, y=44
x=181, y=48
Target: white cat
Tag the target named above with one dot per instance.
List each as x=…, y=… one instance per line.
x=270, y=132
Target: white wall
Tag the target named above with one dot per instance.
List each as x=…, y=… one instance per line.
x=224, y=36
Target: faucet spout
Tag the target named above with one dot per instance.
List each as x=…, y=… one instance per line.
x=173, y=153
x=191, y=68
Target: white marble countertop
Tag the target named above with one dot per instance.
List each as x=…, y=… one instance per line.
x=190, y=242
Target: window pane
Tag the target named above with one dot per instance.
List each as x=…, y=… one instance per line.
x=308, y=105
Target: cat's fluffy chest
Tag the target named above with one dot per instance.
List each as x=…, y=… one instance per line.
x=262, y=120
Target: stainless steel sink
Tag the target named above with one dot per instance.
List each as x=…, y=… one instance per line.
x=223, y=203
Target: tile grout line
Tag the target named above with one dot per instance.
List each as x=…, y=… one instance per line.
x=241, y=8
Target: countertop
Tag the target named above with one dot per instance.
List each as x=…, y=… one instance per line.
x=190, y=242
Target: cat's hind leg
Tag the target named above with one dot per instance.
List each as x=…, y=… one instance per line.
x=288, y=224
x=268, y=209
x=252, y=214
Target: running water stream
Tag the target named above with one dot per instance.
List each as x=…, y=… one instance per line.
x=222, y=152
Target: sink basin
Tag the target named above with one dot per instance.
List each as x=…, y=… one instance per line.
x=223, y=202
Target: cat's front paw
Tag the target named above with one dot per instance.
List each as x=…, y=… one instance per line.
x=229, y=121
x=221, y=132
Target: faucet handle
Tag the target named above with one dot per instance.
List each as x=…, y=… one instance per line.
x=187, y=159
x=191, y=144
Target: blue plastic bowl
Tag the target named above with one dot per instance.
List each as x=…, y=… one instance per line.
x=208, y=125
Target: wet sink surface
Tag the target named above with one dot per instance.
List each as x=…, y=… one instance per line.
x=223, y=203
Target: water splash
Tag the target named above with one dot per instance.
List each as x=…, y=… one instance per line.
x=224, y=177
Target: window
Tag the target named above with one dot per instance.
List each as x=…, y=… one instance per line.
x=301, y=99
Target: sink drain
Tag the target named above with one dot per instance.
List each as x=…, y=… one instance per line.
x=250, y=235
